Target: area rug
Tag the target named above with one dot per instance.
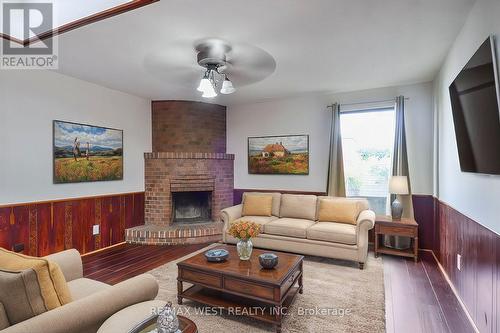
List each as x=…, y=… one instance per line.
x=338, y=297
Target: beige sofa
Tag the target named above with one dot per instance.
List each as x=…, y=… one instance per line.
x=93, y=301
x=293, y=227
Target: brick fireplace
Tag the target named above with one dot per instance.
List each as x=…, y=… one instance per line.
x=189, y=177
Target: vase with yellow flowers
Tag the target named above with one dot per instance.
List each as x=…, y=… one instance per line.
x=244, y=231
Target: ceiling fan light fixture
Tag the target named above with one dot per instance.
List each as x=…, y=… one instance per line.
x=209, y=92
x=205, y=83
x=227, y=87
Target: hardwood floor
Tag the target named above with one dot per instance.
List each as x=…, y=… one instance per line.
x=126, y=260
x=418, y=298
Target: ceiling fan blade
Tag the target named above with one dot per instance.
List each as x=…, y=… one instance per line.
x=249, y=64
x=176, y=61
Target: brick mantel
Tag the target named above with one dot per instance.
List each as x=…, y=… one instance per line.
x=163, y=174
x=188, y=155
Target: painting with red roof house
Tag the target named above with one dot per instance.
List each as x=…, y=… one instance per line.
x=282, y=155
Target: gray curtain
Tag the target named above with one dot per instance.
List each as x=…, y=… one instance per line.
x=336, y=181
x=400, y=157
x=400, y=168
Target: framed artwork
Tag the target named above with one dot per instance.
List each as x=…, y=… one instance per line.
x=86, y=153
x=279, y=155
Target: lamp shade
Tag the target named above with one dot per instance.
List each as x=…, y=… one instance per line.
x=227, y=87
x=398, y=185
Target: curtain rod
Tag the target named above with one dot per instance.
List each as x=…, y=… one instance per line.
x=368, y=102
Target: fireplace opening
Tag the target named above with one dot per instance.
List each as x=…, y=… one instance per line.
x=192, y=207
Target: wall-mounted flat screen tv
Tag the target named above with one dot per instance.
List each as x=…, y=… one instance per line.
x=475, y=107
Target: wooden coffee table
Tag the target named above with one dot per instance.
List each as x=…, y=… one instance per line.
x=243, y=287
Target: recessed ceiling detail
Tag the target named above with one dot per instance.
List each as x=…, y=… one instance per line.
x=66, y=15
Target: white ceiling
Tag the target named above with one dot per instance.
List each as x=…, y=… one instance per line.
x=318, y=45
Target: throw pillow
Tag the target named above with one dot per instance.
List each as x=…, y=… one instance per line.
x=257, y=205
x=276, y=200
x=20, y=295
x=339, y=210
x=53, y=286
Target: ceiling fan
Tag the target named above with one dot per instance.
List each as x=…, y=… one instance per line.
x=226, y=66
x=212, y=55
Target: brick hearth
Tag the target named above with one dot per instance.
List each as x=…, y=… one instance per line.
x=175, y=234
x=189, y=145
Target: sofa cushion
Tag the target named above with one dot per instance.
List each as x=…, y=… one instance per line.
x=257, y=205
x=4, y=321
x=298, y=206
x=262, y=220
x=84, y=287
x=276, y=200
x=343, y=210
x=288, y=227
x=333, y=232
x=20, y=295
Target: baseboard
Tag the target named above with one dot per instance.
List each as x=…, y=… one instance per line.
x=104, y=248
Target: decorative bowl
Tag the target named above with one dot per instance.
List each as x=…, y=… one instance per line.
x=216, y=255
x=268, y=260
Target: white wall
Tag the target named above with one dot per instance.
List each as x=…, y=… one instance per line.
x=30, y=101
x=308, y=115
x=474, y=195
x=302, y=115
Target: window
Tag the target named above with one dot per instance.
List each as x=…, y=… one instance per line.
x=368, y=144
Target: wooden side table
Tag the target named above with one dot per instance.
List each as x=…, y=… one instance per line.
x=384, y=225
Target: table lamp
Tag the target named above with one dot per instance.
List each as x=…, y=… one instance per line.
x=398, y=185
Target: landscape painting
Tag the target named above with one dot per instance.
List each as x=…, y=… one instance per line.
x=282, y=155
x=85, y=153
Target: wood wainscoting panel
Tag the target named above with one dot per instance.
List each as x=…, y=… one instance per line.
x=52, y=226
x=478, y=281
x=423, y=210
x=19, y=225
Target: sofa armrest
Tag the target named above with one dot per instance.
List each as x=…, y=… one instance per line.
x=366, y=220
x=4, y=321
x=89, y=313
x=70, y=263
x=230, y=214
